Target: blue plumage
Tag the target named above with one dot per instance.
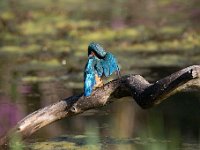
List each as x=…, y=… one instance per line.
x=109, y=64
x=100, y=63
x=97, y=49
x=98, y=67
x=89, y=76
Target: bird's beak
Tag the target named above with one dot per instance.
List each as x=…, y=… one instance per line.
x=91, y=55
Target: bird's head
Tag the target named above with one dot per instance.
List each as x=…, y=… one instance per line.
x=96, y=49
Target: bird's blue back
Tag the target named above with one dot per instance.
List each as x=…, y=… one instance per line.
x=101, y=67
x=109, y=64
x=89, y=76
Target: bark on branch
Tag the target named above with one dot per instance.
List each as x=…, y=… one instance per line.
x=144, y=93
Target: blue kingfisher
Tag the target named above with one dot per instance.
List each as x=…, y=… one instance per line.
x=100, y=63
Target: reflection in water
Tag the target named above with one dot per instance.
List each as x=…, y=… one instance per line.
x=166, y=126
x=10, y=114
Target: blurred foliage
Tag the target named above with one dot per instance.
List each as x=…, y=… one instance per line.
x=43, y=34
x=16, y=143
x=79, y=143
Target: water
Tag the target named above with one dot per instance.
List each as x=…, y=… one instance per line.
x=43, y=49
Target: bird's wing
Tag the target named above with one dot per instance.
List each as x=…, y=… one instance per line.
x=98, y=67
x=89, y=76
x=109, y=64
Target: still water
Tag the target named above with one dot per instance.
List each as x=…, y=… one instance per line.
x=43, y=51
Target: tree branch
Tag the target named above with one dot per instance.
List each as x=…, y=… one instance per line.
x=144, y=93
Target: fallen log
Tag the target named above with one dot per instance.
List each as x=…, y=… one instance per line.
x=144, y=93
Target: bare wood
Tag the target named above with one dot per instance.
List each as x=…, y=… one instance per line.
x=144, y=93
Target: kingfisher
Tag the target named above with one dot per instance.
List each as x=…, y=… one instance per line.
x=100, y=63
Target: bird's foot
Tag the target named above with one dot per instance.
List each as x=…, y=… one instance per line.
x=118, y=74
x=99, y=82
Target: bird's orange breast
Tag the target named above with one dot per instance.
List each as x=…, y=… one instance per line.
x=99, y=82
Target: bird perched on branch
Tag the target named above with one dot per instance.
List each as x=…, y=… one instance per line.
x=100, y=63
